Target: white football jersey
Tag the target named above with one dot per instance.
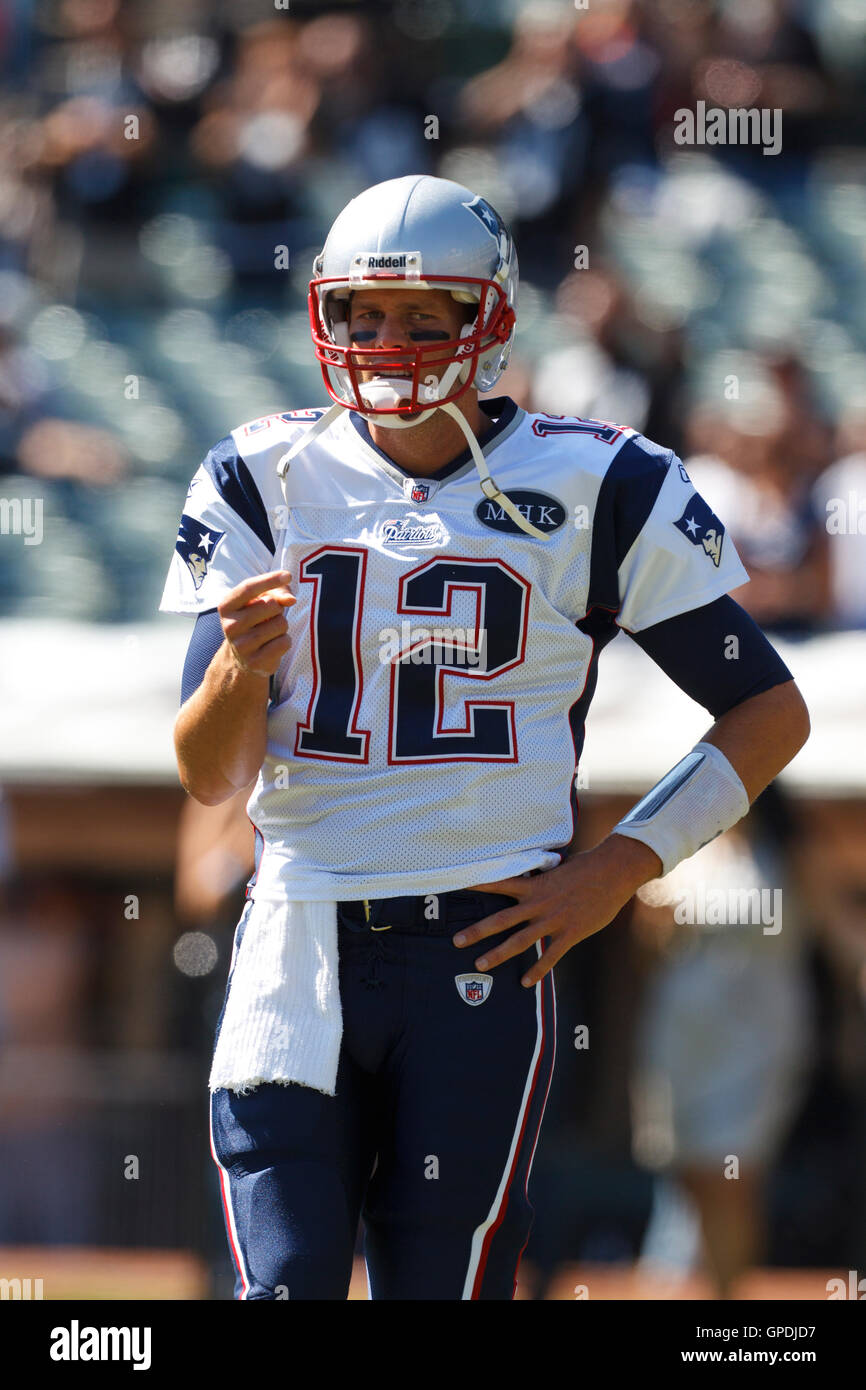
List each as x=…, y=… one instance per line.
x=426, y=724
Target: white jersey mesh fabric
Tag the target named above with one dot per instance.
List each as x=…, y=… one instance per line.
x=387, y=774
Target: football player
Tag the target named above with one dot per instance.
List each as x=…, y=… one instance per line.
x=400, y=604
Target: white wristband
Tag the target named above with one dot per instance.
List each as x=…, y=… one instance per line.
x=691, y=805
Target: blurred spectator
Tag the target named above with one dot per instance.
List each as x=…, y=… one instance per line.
x=723, y=1048
x=619, y=70
x=67, y=449
x=372, y=119
x=740, y=54
x=47, y=1187
x=839, y=497
x=591, y=378
x=23, y=387
x=743, y=471
x=529, y=110
x=257, y=119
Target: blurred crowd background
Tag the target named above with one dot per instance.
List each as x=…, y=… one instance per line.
x=167, y=172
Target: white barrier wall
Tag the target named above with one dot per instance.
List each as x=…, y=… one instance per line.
x=82, y=703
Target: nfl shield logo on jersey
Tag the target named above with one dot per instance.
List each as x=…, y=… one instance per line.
x=473, y=989
x=416, y=491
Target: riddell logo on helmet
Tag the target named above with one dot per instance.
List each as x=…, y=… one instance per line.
x=364, y=262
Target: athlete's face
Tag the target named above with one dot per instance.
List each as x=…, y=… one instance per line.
x=403, y=319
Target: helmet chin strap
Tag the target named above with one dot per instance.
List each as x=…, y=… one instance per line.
x=488, y=483
x=324, y=422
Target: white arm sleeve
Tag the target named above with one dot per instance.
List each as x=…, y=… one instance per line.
x=680, y=560
x=215, y=549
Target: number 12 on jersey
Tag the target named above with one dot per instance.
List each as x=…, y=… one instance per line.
x=417, y=727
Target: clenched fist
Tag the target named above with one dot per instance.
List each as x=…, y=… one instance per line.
x=254, y=622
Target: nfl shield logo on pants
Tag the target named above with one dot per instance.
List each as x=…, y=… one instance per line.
x=473, y=989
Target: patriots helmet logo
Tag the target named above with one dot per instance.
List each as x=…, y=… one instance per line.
x=702, y=527
x=495, y=227
x=196, y=543
x=485, y=214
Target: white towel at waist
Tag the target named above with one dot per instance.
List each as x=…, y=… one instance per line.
x=283, y=1020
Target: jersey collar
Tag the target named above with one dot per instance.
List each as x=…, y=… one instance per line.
x=500, y=410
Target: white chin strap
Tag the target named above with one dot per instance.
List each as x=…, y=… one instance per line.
x=384, y=388
x=488, y=483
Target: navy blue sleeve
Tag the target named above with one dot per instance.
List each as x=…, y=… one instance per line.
x=693, y=649
x=205, y=642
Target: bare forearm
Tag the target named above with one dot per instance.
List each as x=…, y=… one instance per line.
x=220, y=734
x=760, y=736
x=629, y=862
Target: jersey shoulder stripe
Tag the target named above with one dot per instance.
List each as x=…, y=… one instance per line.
x=629, y=491
x=235, y=484
x=242, y=466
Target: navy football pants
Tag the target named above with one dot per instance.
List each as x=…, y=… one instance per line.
x=430, y=1136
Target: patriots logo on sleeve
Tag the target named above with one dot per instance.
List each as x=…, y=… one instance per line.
x=196, y=543
x=702, y=527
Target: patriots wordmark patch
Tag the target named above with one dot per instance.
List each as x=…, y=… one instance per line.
x=196, y=544
x=702, y=527
x=413, y=531
x=474, y=989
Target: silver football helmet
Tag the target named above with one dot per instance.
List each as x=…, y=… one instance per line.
x=416, y=232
